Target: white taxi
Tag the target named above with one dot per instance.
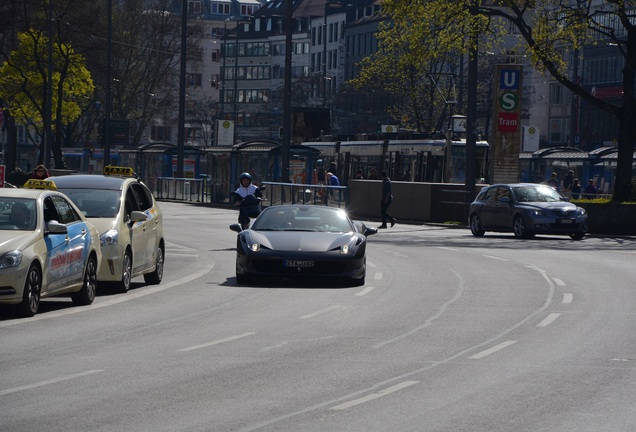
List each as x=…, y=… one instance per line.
x=47, y=248
x=128, y=219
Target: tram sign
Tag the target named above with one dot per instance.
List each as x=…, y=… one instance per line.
x=506, y=143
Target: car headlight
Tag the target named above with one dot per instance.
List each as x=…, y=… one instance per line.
x=347, y=248
x=536, y=212
x=10, y=259
x=253, y=246
x=110, y=237
x=582, y=211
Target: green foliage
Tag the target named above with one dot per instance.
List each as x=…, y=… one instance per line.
x=23, y=81
x=418, y=58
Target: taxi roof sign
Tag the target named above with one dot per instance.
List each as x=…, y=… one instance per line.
x=118, y=170
x=40, y=184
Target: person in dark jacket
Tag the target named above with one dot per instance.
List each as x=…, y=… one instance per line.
x=386, y=200
x=576, y=189
x=590, y=190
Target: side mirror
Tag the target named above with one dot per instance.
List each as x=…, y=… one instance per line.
x=505, y=200
x=138, y=216
x=236, y=227
x=54, y=227
x=370, y=231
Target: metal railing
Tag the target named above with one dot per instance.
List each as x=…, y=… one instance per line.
x=183, y=189
x=299, y=193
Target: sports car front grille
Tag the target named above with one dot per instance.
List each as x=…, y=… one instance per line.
x=320, y=267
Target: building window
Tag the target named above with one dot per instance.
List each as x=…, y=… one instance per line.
x=160, y=133
x=556, y=130
x=194, y=6
x=556, y=92
x=193, y=80
x=221, y=8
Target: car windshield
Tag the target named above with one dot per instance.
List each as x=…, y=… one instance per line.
x=95, y=203
x=536, y=194
x=17, y=214
x=318, y=219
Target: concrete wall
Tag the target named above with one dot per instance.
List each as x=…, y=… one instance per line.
x=416, y=202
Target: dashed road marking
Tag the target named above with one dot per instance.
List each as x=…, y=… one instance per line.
x=365, y=291
x=377, y=276
x=47, y=382
x=567, y=298
x=492, y=350
x=216, y=342
x=548, y=320
x=497, y=258
x=323, y=311
x=385, y=392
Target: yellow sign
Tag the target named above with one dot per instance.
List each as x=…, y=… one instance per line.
x=40, y=184
x=120, y=171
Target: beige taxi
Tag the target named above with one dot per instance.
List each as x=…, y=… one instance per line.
x=47, y=248
x=129, y=222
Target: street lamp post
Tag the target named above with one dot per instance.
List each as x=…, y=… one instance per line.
x=287, y=92
x=224, y=73
x=182, y=86
x=236, y=71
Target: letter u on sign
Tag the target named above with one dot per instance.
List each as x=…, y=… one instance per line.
x=509, y=79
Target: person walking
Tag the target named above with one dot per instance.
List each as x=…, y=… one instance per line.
x=386, y=200
x=332, y=180
x=576, y=189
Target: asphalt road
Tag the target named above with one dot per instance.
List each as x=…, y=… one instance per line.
x=449, y=333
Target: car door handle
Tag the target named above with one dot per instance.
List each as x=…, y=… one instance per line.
x=67, y=239
x=83, y=232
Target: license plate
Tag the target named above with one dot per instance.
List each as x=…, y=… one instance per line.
x=566, y=221
x=293, y=263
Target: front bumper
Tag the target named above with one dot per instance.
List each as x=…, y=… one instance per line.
x=111, y=265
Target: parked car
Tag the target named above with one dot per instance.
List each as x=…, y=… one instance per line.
x=525, y=209
x=47, y=248
x=302, y=241
x=129, y=222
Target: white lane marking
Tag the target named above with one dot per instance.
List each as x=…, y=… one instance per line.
x=448, y=248
x=385, y=392
x=559, y=282
x=548, y=320
x=365, y=291
x=129, y=296
x=51, y=381
x=371, y=264
x=492, y=350
x=495, y=257
x=378, y=276
x=216, y=342
x=442, y=309
x=567, y=298
x=320, y=312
